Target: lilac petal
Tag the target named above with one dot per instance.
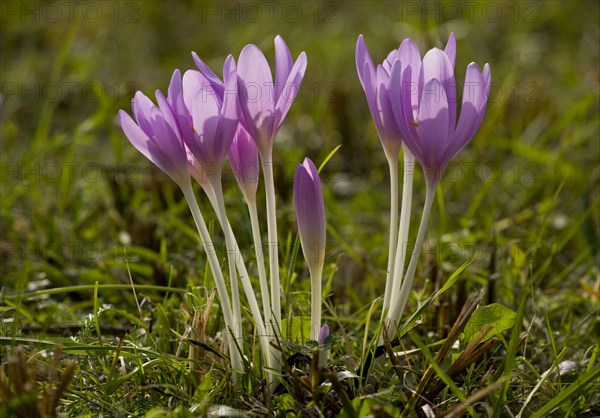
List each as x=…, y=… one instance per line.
x=243, y=159
x=255, y=88
x=487, y=78
x=400, y=92
x=389, y=61
x=433, y=120
x=450, y=49
x=205, y=113
x=283, y=65
x=136, y=136
x=228, y=67
x=141, y=106
x=371, y=80
x=411, y=57
x=473, y=102
x=167, y=139
x=193, y=82
x=228, y=122
x=290, y=90
x=209, y=75
x=363, y=60
x=323, y=334
x=167, y=112
x=391, y=139
x=436, y=65
x=310, y=212
x=176, y=101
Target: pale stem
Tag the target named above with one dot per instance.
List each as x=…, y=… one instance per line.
x=213, y=262
x=232, y=256
x=260, y=263
x=393, y=165
x=400, y=303
x=245, y=279
x=409, y=168
x=272, y=233
x=316, y=273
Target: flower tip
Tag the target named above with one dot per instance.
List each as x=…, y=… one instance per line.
x=323, y=334
x=121, y=114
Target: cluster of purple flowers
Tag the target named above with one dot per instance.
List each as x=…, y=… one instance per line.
x=204, y=120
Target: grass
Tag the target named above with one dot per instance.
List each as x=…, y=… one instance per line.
x=85, y=220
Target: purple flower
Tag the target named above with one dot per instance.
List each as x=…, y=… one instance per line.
x=376, y=84
x=243, y=158
x=264, y=103
x=156, y=134
x=423, y=101
x=310, y=213
x=209, y=108
x=323, y=334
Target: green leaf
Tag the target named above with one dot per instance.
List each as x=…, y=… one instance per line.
x=582, y=382
x=329, y=156
x=496, y=316
x=298, y=331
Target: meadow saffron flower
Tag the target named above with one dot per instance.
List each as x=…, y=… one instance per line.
x=264, y=103
x=423, y=99
x=263, y=107
x=155, y=133
x=160, y=134
x=310, y=214
x=375, y=83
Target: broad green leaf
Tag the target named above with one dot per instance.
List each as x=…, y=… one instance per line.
x=496, y=316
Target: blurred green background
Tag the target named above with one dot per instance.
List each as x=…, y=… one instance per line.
x=522, y=198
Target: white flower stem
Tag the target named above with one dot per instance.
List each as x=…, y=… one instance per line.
x=316, y=273
x=393, y=165
x=403, y=229
x=213, y=262
x=267, y=161
x=399, y=304
x=234, y=250
x=232, y=256
x=260, y=263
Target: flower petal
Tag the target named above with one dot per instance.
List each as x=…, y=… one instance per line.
x=433, y=122
x=310, y=212
x=364, y=63
x=389, y=61
x=209, y=75
x=193, y=82
x=473, y=102
x=391, y=138
x=255, y=89
x=141, y=106
x=229, y=121
x=283, y=65
x=401, y=91
x=205, y=113
x=243, y=159
x=136, y=136
x=176, y=101
x=436, y=64
x=450, y=49
x=290, y=90
x=370, y=79
x=228, y=67
x=411, y=57
x=174, y=145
